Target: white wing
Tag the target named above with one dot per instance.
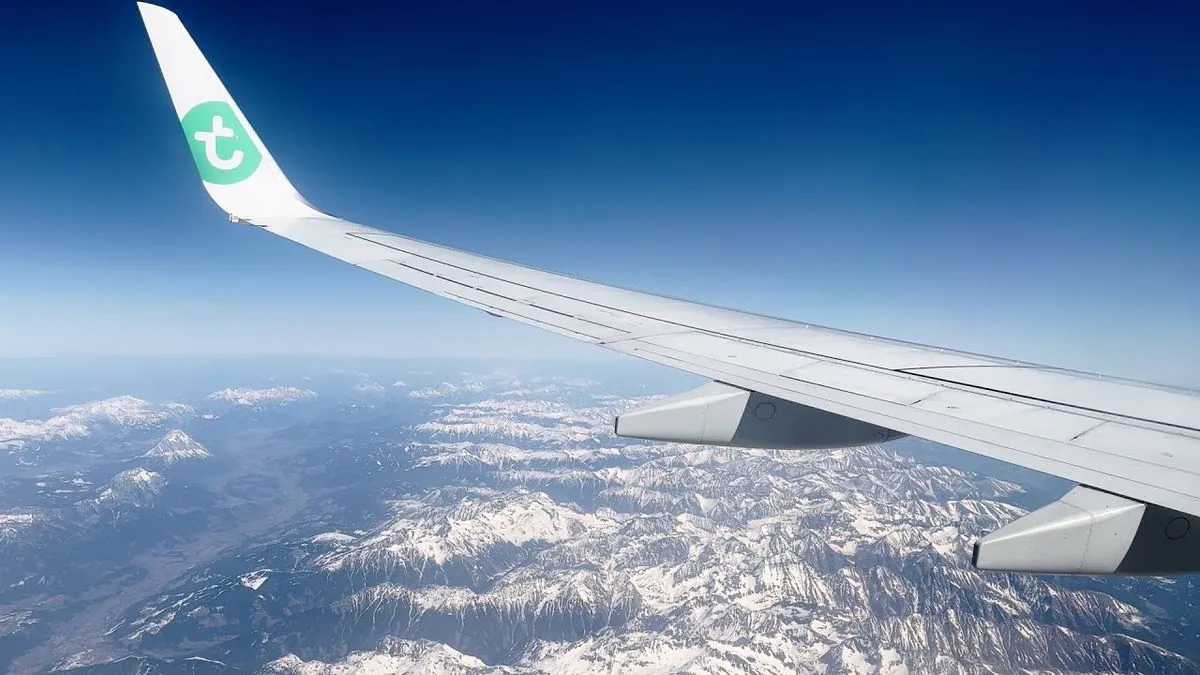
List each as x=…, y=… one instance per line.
x=784, y=384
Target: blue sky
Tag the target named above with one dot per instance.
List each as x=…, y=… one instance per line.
x=1019, y=181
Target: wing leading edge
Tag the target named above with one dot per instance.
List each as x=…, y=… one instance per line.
x=1137, y=442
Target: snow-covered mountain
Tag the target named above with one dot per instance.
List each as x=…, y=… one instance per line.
x=477, y=388
x=128, y=411
x=493, y=524
x=370, y=389
x=751, y=562
x=394, y=657
x=447, y=389
x=513, y=419
x=16, y=528
x=258, y=397
x=473, y=537
x=176, y=446
x=130, y=488
x=79, y=421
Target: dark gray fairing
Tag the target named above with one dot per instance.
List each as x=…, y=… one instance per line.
x=1166, y=543
x=1090, y=531
x=793, y=426
x=721, y=414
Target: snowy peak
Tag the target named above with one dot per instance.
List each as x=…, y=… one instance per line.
x=395, y=657
x=176, y=446
x=133, y=487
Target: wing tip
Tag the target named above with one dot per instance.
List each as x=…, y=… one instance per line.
x=247, y=183
x=149, y=10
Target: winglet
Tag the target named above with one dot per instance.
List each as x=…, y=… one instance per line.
x=238, y=171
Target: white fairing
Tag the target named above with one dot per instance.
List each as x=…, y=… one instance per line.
x=710, y=414
x=1132, y=439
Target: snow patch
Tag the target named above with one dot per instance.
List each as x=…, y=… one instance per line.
x=334, y=538
x=13, y=526
x=396, y=657
x=254, y=580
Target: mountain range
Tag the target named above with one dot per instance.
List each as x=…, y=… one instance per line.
x=489, y=524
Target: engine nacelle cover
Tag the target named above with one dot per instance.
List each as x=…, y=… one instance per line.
x=1088, y=531
x=720, y=414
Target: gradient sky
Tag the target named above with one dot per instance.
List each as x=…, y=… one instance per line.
x=1016, y=180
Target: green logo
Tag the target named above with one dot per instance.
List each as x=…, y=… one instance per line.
x=223, y=150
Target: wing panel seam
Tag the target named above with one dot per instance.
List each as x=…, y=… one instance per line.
x=1072, y=406
x=743, y=339
x=503, y=297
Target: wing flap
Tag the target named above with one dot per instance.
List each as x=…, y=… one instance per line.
x=862, y=349
x=1008, y=414
x=1109, y=395
x=1168, y=451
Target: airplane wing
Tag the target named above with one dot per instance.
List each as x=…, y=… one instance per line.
x=1133, y=448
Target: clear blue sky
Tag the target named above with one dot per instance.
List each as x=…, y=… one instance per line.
x=1016, y=179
